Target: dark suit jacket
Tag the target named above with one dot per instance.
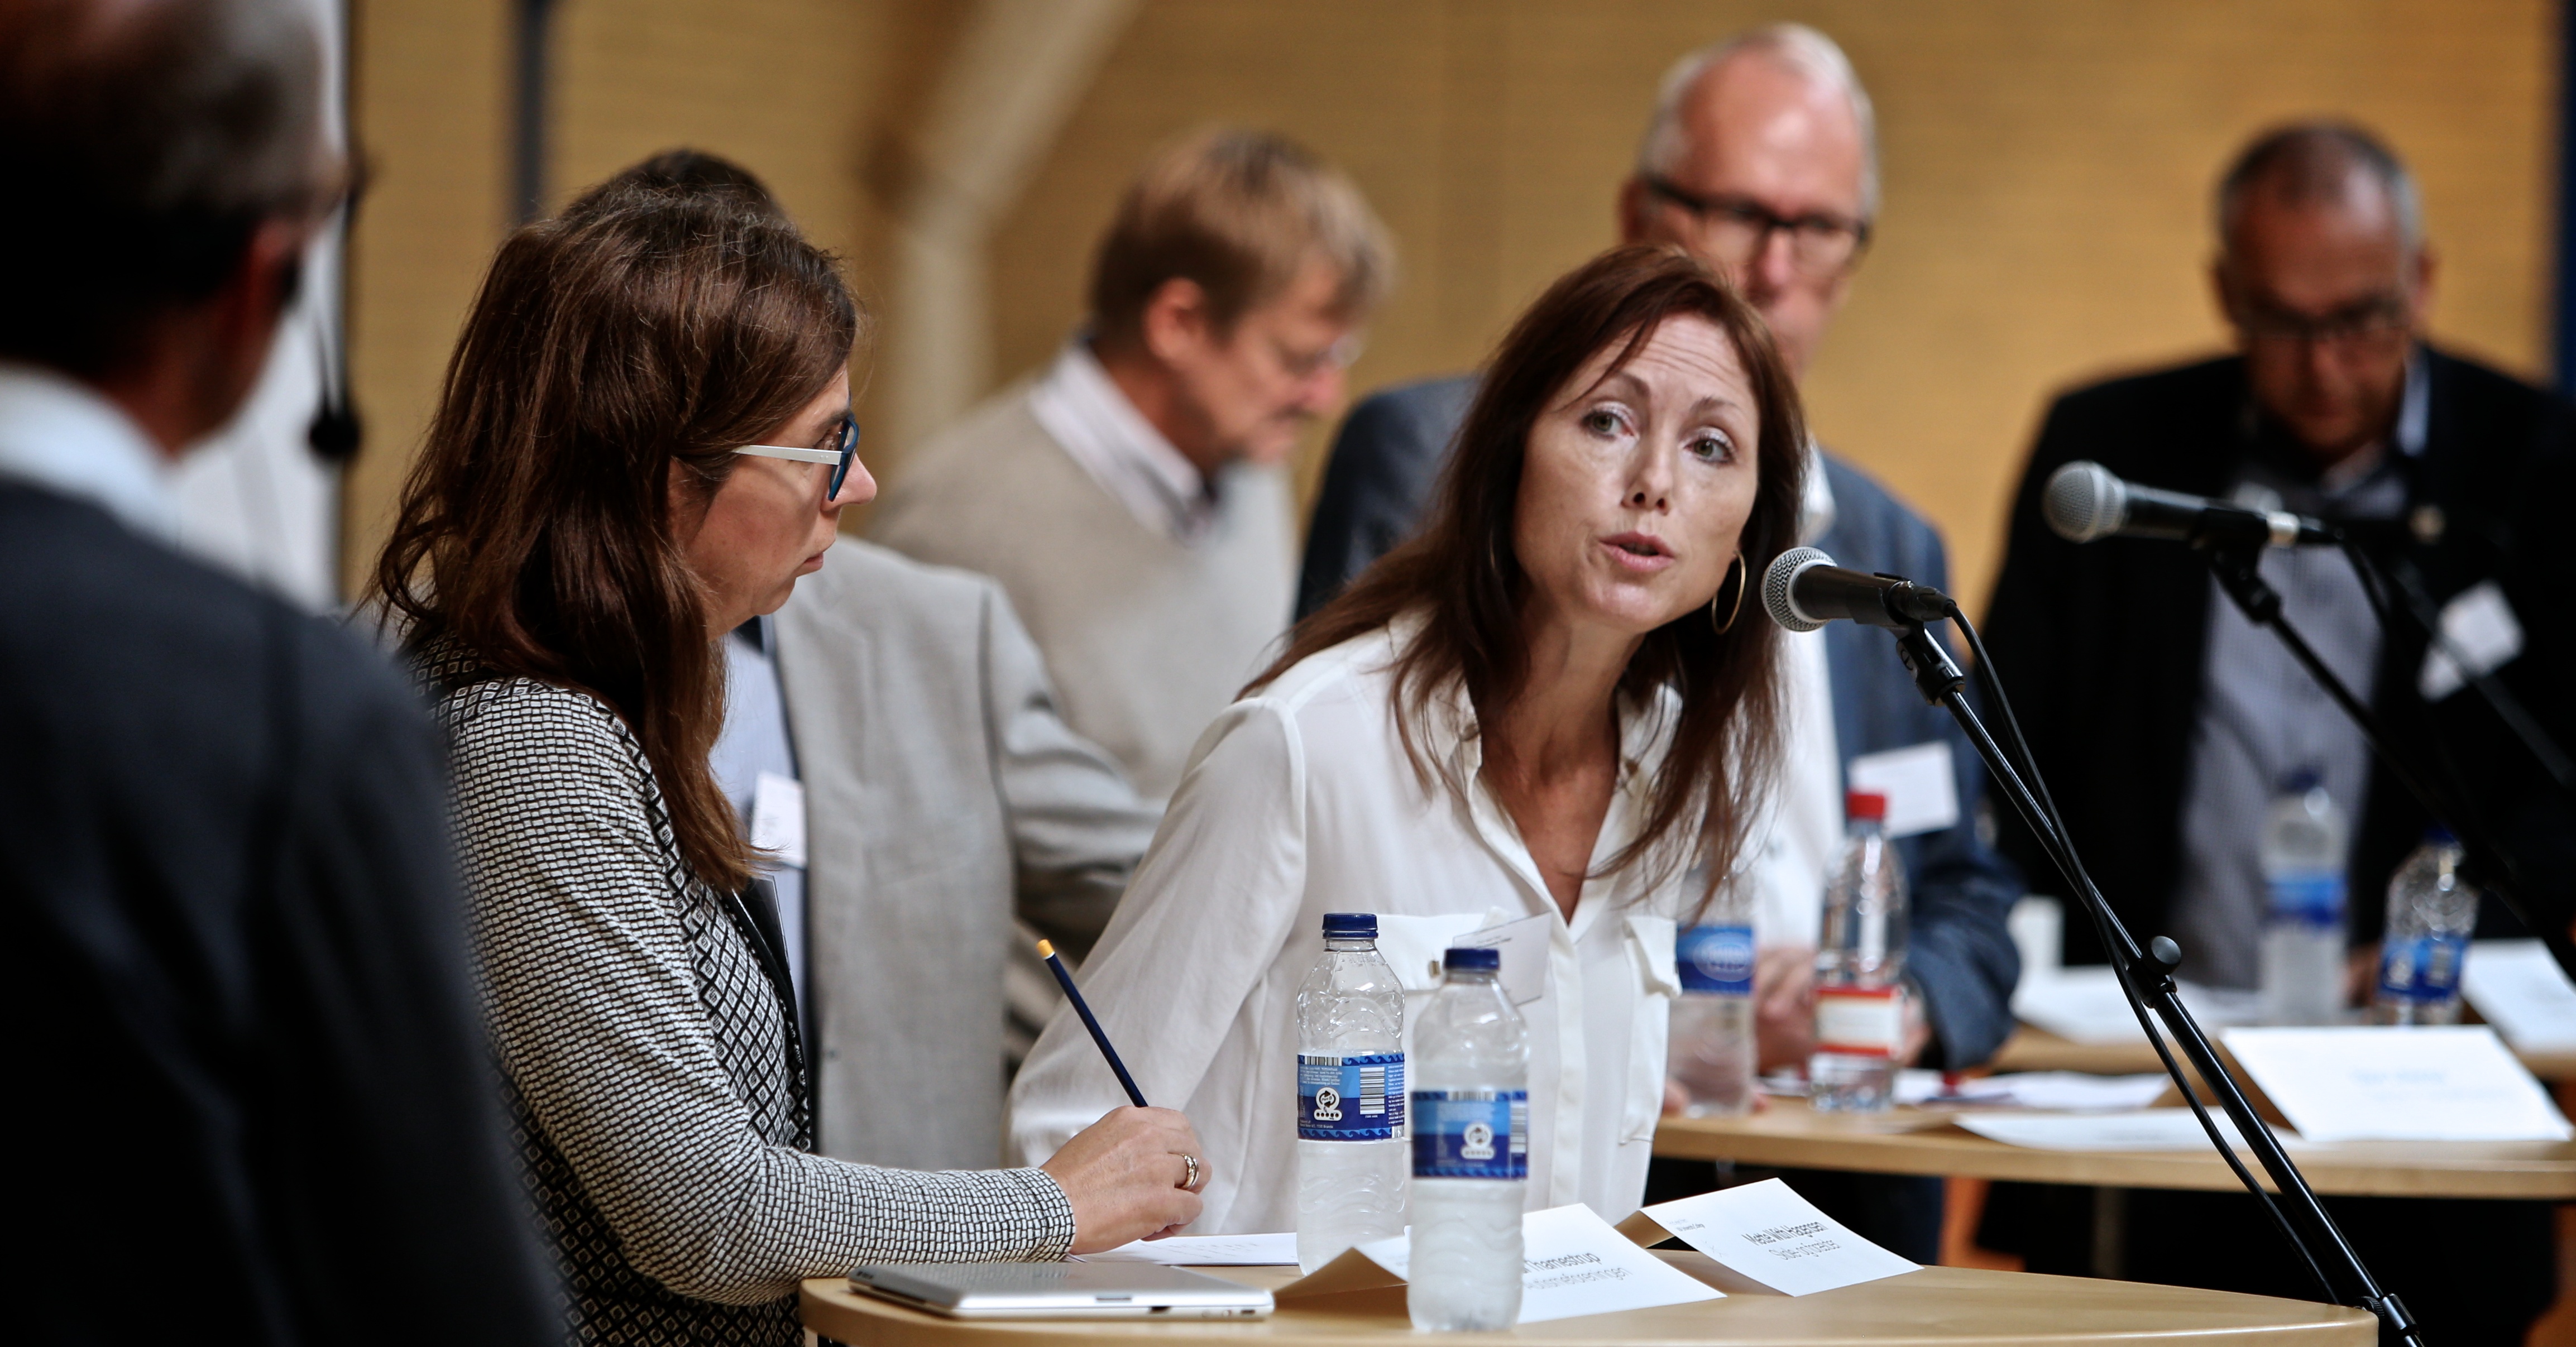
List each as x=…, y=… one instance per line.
x=2100, y=645
x=258, y=1090
x=1384, y=461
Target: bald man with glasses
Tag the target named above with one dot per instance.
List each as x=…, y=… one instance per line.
x=1760, y=161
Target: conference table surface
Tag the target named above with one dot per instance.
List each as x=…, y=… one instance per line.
x=1934, y=1307
x=2032, y=1048
x=1789, y=1135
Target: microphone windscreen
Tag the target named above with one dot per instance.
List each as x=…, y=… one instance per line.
x=1783, y=577
x=2084, y=501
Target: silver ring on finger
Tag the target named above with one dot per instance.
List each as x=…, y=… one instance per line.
x=1190, y=1183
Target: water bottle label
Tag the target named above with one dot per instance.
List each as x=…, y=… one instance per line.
x=1716, y=960
x=1357, y=1098
x=2311, y=898
x=1858, y=1022
x=2425, y=969
x=1471, y=1134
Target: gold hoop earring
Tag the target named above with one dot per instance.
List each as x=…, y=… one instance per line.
x=1742, y=576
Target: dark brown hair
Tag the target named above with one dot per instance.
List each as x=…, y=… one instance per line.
x=537, y=529
x=1239, y=213
x=1461, y=576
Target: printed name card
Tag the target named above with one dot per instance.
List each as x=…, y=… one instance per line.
x=2452, y=1083
x=1572, y=1263
x=1766, y=1232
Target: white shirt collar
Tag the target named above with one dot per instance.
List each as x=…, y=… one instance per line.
x=2414, y=407
x=1084, y=410
x=1816, y=506
x=59, y=434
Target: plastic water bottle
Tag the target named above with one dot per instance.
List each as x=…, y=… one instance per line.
x=2303, y=940
x=1860, y=959
x=1711, y=1051
x=1350, y=1095
x=1470, y=1150
x=2431, y=910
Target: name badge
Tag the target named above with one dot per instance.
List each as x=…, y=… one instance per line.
x=778, y=818
x=1922, y=793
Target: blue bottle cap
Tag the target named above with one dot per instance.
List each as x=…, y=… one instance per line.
x=1350, y=926
x=1472, y=958
x=2301, y=780
x=2440, y=836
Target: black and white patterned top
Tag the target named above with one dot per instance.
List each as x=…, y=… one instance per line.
x=646, y=1058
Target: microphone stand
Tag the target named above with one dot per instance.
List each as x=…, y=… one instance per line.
x=2489, y=866
x=2146, y=978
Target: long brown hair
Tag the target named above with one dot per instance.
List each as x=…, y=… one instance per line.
x=1461, y=576
x=537, y=529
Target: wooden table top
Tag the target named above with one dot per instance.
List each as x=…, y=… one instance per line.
x=2035, y=1049
x=1788, y=1134
x=1936, y=1307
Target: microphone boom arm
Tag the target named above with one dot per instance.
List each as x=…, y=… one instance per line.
x=2489, y=865
x=2306, y=1225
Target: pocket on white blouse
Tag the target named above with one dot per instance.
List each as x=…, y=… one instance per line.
x=1650, y=948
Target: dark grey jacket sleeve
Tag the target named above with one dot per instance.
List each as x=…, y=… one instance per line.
x=1378, y=482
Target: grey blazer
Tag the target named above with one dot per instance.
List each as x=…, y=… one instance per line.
x=944, y=797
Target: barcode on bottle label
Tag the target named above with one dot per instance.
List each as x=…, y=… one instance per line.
x=1715, y=960
x=1857, y=1022
x=1357, y=1098
x=1471, y=1134
x=2425, y=969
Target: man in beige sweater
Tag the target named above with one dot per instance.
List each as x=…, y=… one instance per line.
x=1129, y=498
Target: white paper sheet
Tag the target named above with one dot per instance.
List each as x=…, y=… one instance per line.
x=1524, y=948
x=1768, y=1233
x=1204, y=1251
x=2386, y=1084
x=2152, y=1129
x=2520, y=990
x=1573, y=1263
x=2084, y=1004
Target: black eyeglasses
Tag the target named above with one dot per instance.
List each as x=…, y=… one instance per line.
x=2379, y=320
x=1734, y=230
x=840, y=458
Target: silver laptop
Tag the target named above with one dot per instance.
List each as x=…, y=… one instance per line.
x=1060, y=1291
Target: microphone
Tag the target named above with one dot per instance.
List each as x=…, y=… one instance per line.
x=2084, y=501
x=1804, y=590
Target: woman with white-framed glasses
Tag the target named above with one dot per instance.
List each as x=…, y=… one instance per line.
x=644, y=439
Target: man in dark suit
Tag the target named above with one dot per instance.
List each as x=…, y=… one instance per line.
x=1760, y=161
x=2163, y=721
x=247, y=1046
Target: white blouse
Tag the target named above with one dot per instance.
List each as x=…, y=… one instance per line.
x=1301, y=801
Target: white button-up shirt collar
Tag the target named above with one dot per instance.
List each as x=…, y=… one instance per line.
x=59, y=434
x=1083, y=409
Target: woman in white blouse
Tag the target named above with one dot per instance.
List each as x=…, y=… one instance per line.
x=1550, y=707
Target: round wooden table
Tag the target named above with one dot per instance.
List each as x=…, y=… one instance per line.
x=1937, y=1305
x=1789, y=1135
x=2035, y=1049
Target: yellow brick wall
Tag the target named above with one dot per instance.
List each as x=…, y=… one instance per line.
x=2047, y=169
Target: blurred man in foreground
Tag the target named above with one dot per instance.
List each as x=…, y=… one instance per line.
x=2163, y=721
x=235, y=948
x=1130, y=499
x=1761, y=161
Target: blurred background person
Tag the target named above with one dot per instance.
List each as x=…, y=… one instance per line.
x=1129, y=499
x=2164, y=722
x=646, y=440
x=234, y=928
x=1530, y=711
x=893, y=727
x=1761, y=160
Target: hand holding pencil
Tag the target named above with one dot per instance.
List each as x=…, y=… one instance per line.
x=1136, y=1173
